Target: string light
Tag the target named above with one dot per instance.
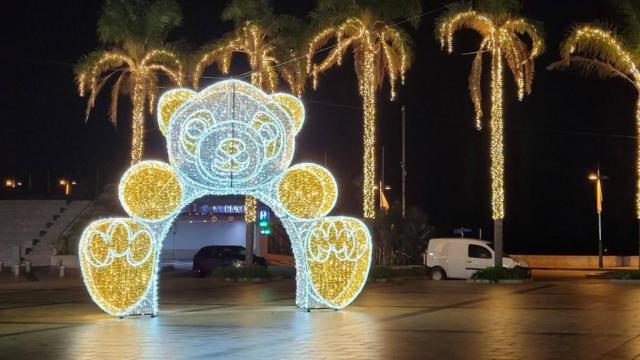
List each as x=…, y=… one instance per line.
x=142, y=75
x=231, y=138
x=603, y=46
x=250, y=39
x=502, y=38
x=380, y=50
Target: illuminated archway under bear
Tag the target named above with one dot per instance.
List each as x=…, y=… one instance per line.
x=229, y=139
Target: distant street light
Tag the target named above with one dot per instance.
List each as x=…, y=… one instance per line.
x=596, y=178
x=12, y=183
x=67, y=184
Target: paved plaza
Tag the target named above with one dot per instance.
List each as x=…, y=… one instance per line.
x=557, y=316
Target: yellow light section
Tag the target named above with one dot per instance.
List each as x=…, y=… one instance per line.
x=497, y=134
x=150, y=190
x=168, y=104
x=307, y=191
x=117, y=257
x=293, y=106
x=338, y=258
x=250, y=208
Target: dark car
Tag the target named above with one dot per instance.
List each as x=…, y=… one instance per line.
x=211, y=257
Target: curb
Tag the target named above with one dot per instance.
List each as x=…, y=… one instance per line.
x=509, y=281
x=625, y=281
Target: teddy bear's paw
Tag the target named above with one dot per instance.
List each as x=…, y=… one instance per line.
x=338, y=257
x=150, y=191
x=307, y=191
x=117, y=258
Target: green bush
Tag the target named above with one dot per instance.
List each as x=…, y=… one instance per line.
x=241, y=272
x=386, y=272
x=381, y=272
x=494, y=274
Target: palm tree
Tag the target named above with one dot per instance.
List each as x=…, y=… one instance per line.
x=380, y=50
x=599, y=51
x=260, y=35
x=503, y=32
x=134, y=34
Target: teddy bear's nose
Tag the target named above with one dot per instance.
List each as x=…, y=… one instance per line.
x=232, y=147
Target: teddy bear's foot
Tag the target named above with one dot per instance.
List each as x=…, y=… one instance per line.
x=338, y=256
x=117, y=258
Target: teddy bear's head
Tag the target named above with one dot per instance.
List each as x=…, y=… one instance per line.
x=230, y=135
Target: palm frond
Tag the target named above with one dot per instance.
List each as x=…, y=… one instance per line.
x=591, y=68
x=531, y=28
x=599, y=44
x=627, y=13
x=241, y=11
x=460, y=16
x=115, y=94
x=142, y=22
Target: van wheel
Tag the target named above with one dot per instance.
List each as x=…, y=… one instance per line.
x=438, y=274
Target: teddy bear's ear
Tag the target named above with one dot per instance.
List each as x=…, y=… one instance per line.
x=293, y=106
x=168, y=103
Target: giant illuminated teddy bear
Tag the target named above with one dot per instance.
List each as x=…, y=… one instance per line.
x=230, y=138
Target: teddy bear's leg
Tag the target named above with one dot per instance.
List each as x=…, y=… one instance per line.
x=304, y=300
x=118, y=261
x=338, y=256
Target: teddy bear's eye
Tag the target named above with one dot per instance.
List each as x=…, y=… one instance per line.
x=269, y=132
x=196, y=124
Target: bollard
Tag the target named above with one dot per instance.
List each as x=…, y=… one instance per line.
x=16, y=269
x=61, y=271
x=1, y=267
x=27, y=267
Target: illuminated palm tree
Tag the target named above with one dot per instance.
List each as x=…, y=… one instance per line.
x=134, y=34
x=380, y=50
x=598, y=51
x=502, y=32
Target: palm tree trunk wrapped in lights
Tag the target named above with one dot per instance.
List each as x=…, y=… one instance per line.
x=379, y=50
x=502, y=31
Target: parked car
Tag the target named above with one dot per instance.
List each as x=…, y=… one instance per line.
x=209, y=258
x=458, y=258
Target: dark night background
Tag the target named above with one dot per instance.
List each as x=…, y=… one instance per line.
x=554, y=138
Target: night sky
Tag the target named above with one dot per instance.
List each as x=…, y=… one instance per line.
x=553, y=139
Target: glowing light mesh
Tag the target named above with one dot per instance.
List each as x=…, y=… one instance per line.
x=230, y=138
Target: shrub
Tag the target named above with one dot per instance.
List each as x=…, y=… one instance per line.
x=494, y=274
x=387, y=272
x=241, y=272
x=381, y=272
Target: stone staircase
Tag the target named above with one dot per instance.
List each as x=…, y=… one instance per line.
x=29, y=228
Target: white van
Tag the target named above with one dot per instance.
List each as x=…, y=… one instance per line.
x=459, y=258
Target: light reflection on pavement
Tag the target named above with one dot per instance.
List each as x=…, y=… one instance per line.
x=559, y=317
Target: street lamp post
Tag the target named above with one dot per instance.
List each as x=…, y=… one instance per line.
x=67, y=185
x=596, y=178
